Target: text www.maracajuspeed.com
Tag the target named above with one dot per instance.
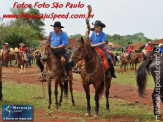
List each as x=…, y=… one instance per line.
x=48, y=16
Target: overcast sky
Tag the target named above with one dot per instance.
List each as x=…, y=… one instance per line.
x=120, y=16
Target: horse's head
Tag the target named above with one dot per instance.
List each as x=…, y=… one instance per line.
x=79, y=51
x=141, y=57
x=44, y=49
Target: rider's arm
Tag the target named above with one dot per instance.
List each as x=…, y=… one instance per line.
x=99, y=44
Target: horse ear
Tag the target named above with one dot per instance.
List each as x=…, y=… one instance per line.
x=82, y=40
x=40, y=36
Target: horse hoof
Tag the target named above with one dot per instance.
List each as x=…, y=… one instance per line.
x=56, y=107
x=87, y=114
x=48, y=106
x=108, y=110
x=73, y=104
x=59, y=104
x=95, y=116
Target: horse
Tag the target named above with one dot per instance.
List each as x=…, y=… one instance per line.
x=21, y=62
x=6, y=57
x=148, y=55
x=135, y=58
x=124, y=62
x=92, y=72
x=155, y=67
x=54, y=70
x=0, y=76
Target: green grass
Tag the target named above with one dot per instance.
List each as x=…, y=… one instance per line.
x=20, y=93
x=129, y=78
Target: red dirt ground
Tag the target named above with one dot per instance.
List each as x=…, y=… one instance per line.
x=117, y=91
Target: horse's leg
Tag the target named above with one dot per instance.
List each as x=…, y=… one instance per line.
x=107, y=86
x=21, y=67
x=61, y=87
x=71, y=91
x=135, y=67
x=121, y=67
x=49, y=91
x=56, y=94
x=96, y=98
x=24, y=67
x=86, y=88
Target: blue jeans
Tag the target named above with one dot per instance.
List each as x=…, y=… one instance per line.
x=108, y=57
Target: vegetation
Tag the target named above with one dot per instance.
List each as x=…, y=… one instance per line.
x=21, y=30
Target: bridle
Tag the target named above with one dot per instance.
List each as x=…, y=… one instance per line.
x=47, y=52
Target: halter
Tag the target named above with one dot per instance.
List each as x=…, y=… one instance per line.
x=47, y=52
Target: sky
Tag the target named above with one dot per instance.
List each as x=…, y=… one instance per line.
x=122, y=17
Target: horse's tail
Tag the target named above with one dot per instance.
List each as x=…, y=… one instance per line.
x=65, y=88
x=141, y=76
x=101, y=90
x=39, y=64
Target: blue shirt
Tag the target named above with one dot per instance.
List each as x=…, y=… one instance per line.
x=161, y=49
x=57, y=40
x=127, y=47
x=96, y=39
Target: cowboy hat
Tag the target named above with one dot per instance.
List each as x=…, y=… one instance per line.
x=110, y=44
x=21, y=44
x=6, y=43
x=99, y=23
x=161, y=44
x=57, y=24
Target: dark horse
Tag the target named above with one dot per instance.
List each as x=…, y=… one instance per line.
x=53, y=68
x=0, y=76
x=155, y=66
x=92, y=72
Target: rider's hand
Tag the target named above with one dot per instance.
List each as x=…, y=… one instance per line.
x=93, y=45
x=53, y=47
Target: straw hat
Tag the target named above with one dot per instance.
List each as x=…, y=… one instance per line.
x=161, y=44
x=110, y=44
x=21, y=44
x=16, y=49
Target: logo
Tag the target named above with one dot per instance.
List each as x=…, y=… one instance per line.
x=17, y=112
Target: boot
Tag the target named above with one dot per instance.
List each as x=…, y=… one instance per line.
x=42, y=78
x=113, y=71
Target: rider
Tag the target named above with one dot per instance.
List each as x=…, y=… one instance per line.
x=98, y=39
x=110, y=48
x=149, y=48
x=22, y=50
x=160, y=48
x=5, y=47
x=59, y=41
x=127, y=46
x=130, y=50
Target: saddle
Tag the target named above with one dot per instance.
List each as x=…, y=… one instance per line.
x=103, y=57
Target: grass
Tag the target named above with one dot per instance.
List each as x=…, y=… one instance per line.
x=20, y=93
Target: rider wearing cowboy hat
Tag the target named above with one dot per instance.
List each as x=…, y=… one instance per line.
x=5, y=46
x=59, y=41
x=98, y=39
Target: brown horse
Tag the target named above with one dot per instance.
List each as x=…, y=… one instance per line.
x=136, y=58
x=21, y=62
x=124, y=62
x=7, y=57
x=92, y=72
x=54, y=70
x=0, y=76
